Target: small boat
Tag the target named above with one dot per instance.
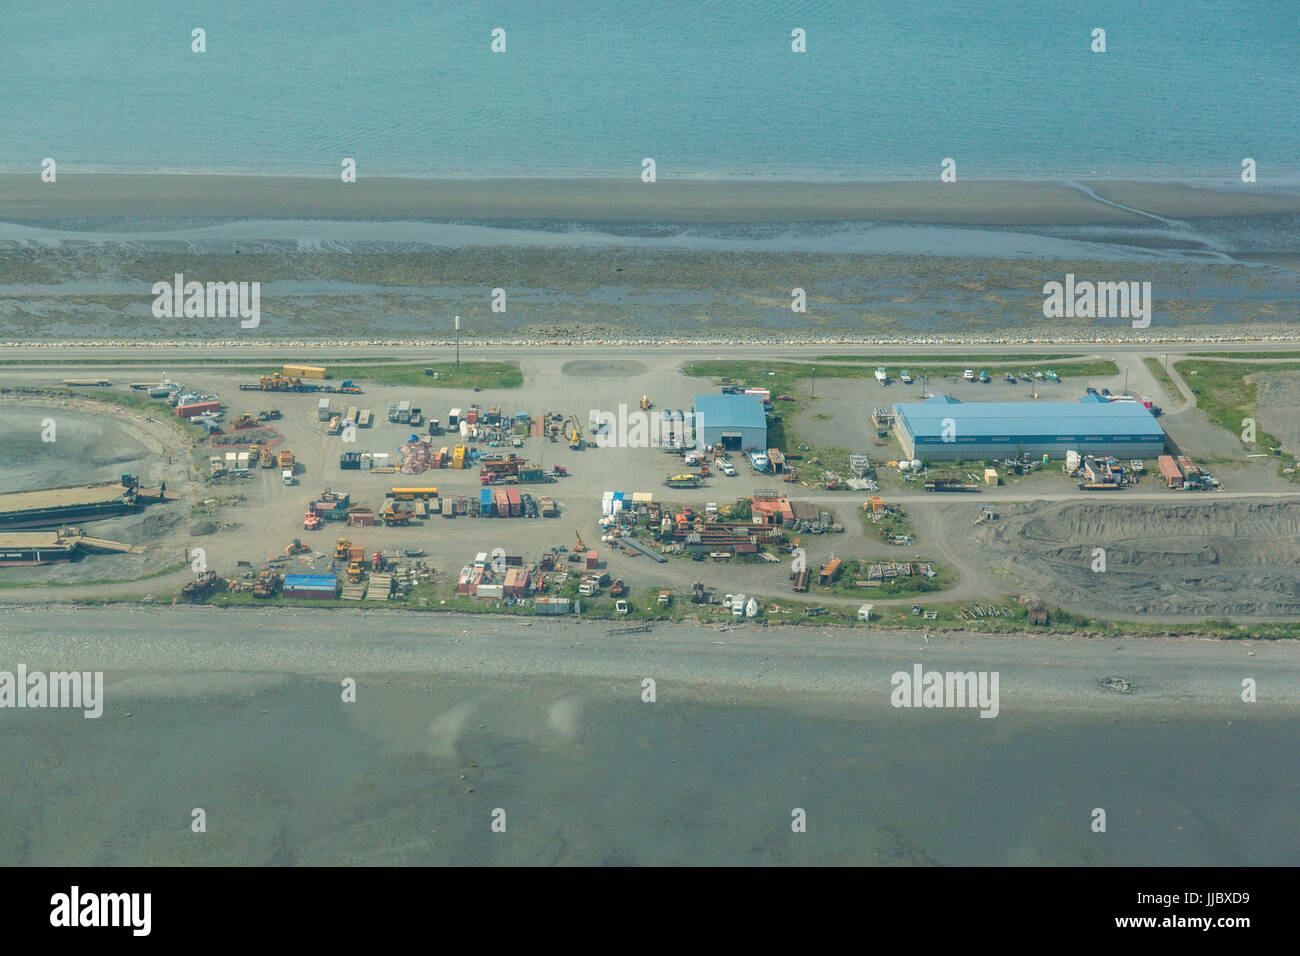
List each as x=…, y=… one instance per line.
x=413, y=552
x=882, y=376
x=751, y=608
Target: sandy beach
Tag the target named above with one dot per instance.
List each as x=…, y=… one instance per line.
x=25, y=198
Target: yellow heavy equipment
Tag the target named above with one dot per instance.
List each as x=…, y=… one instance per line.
x=341, y=549
x=646, y=404
x=573, y=433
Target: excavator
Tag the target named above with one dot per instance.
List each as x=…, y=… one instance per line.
x=579, y=552
x=573, y=433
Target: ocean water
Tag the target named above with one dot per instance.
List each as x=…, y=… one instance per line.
x=708, y=88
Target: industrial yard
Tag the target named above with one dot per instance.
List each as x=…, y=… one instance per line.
x=364, y=480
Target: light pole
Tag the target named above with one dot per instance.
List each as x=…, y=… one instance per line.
x=458, y=344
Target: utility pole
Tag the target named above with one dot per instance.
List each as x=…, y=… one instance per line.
x=458, y=343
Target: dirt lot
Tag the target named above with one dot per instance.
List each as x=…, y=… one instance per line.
x=1204, y=557
x=1200, y=557
x=1278, y=405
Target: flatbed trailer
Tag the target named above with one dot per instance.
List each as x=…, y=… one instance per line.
x=950, y=484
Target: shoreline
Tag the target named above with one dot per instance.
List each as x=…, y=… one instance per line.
x=24, y=198
x=967, y=340
x=828, y=664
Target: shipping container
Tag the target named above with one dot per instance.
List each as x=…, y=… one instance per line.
x=515, y=502
x=303, y=371
x=485, y=502
x=1169, y=471
x=491, y=592
x=552, y=605
x=323, y=410
x=453, y=418
x=500, y=503
x=196, y=408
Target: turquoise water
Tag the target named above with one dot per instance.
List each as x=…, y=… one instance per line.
x=886, y=90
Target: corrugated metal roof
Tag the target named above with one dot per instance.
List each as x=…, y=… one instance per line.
x=1088, y=416
x=310, y=581
x=729, y=411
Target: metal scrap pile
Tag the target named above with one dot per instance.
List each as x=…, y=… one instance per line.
x=416, y=457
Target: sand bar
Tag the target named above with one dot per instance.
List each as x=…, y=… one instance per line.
x=25, y=198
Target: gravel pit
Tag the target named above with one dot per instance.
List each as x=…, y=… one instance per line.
x=1205, y=559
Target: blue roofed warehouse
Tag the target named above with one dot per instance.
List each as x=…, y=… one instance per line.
x=737, y=422
x=943, y=428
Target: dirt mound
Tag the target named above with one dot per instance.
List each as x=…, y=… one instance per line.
x=594, y=369
x=246, y=436
x=1205, y=559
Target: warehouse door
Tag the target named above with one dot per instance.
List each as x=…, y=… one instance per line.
x=732, y=440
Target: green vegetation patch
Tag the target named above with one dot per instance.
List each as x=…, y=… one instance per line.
x=1226, y=398
x=483, y=374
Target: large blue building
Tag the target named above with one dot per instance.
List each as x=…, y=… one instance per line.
x=943, y=428
x=736, y=422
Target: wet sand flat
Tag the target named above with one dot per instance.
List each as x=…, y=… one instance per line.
x=104, y=195
x=457, y=718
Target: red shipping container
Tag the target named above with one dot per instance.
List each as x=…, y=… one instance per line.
x=516, y=503
x=500, y=503
x=196, y=408
x=591, y=560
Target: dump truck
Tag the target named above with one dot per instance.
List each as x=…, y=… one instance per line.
x=245, y=421
x=397, y=514
x=266, y=458
x=267, y=581
x=546, y=506
x=286, y=461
